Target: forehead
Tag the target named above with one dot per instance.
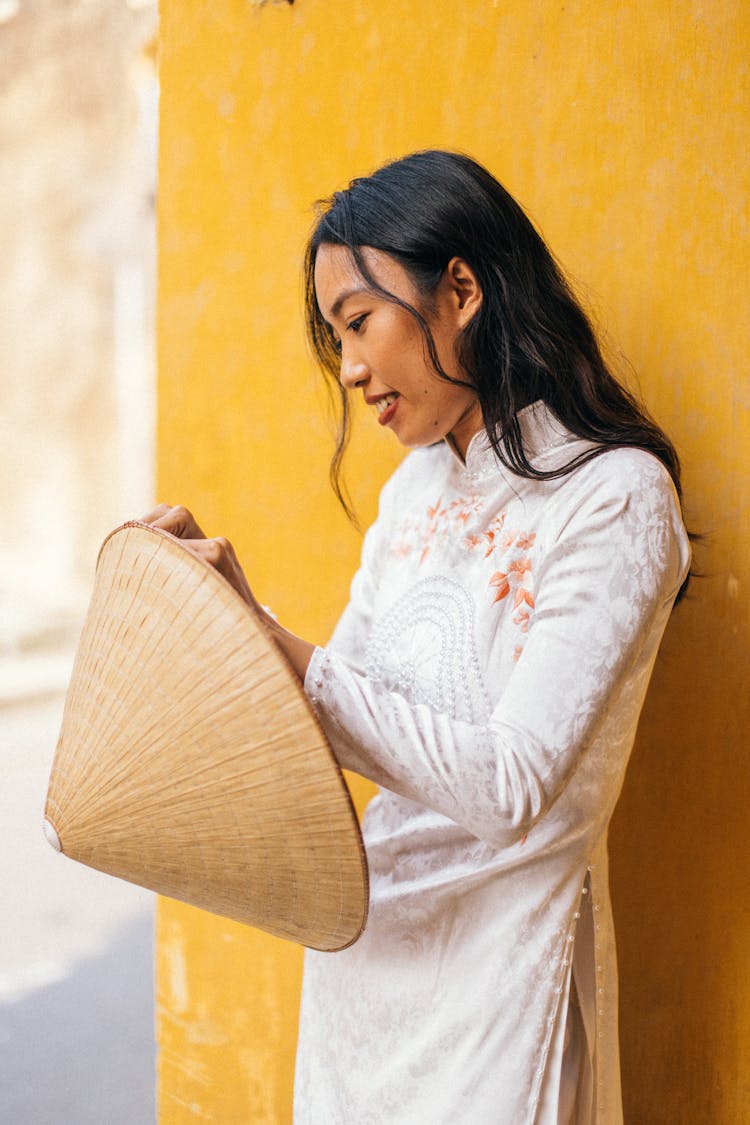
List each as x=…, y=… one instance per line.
x=337, y=276
x=335, y=269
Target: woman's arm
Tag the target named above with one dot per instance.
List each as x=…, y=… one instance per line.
x=603, y=596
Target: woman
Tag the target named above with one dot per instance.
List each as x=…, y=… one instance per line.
x=490, y=667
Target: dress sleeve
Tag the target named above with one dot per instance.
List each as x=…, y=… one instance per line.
x=604, y=591
x=349, y=638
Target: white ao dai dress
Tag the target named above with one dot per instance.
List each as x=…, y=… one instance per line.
x=488, y=674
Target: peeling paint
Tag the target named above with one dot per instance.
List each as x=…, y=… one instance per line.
x=173, y=953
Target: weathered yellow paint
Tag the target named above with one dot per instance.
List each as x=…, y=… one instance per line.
x=622, y=129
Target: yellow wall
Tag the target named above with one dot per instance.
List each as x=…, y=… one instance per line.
x=622, y=129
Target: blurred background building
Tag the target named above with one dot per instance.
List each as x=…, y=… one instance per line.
x=78, y=118
x=78, y=123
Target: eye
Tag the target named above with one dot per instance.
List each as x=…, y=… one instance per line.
x=355, y=325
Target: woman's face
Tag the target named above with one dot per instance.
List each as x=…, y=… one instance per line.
x=383, y=350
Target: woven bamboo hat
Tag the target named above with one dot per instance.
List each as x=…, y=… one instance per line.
x=189, y=760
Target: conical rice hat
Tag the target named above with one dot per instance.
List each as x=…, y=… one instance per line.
x=189, y=759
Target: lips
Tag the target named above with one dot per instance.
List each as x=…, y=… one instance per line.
x=383, y=403
x=386, y=407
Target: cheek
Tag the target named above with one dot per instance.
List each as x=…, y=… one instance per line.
x=404, y=336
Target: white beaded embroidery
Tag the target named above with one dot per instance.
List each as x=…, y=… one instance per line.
x=423, y=647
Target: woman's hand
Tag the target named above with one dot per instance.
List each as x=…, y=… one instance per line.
x=219, y=552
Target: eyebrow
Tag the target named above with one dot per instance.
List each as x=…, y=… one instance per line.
x=343, y=297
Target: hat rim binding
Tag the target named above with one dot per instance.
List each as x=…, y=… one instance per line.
x=352, y=854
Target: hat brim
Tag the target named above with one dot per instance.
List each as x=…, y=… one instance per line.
x=190, y=761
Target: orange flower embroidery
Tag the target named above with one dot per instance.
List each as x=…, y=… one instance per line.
x=473, y=541
x=520, y=566
x=439, y=523
x=522, y=619
x=500, y=580
x=465, y=508
x=523, y=595
x=512, y=580
x=488, y=537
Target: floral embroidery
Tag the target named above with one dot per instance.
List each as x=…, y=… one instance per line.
x=440, y=523
x=523, y=595
x=500, y=580
x=519, y=566
x=513, y=577
x=447, y=521
x=526, y=540
x=522, y=619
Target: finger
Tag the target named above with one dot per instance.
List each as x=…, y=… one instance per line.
x=179, y=522
x=219, y=552
x=156, y=513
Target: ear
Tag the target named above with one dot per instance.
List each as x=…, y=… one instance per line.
x=463, y=290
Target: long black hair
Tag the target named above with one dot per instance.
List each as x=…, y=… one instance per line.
x=529, y=340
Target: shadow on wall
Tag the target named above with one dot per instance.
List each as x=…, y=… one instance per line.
x=679, y=845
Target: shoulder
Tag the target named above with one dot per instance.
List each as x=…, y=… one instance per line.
x=629, y=478
x=624, y=505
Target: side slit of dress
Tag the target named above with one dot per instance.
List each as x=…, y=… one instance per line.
x=578, y=1085
x=568, y=1097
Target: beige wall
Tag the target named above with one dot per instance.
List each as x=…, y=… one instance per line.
x=622, y=129
x=76, y=276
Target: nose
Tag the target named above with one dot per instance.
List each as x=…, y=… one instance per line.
x=353, y=372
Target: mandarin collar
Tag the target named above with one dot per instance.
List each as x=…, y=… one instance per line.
x=541, y=431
